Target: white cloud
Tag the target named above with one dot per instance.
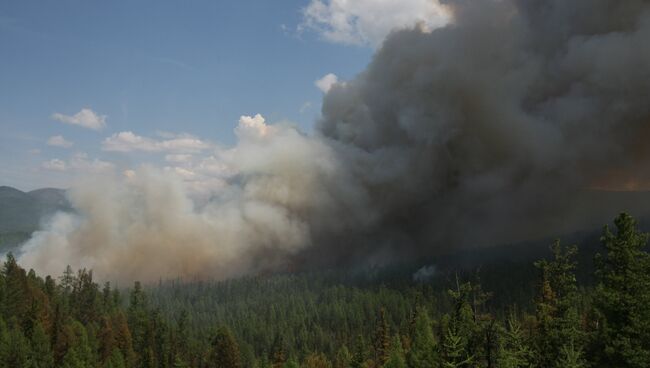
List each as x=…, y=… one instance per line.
x=326, y=83
x=367, y=22
x=55, y=164
x=129, y=142
x=59, y=141
x=178, y=158
x=79, y=162
x=86, y=118
x=252, y=127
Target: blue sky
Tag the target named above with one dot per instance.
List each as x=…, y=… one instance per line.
x=164, y=70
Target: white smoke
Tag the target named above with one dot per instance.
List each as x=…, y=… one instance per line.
x=424, y=274
x=145, y=225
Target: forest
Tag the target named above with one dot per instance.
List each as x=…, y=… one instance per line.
x=510, y=315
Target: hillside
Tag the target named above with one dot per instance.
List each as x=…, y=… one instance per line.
x=21, y=212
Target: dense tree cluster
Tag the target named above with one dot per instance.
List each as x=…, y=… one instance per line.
x=325, y=320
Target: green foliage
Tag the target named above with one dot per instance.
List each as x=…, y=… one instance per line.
x=455, y=353
x=332, y=320
x=622, y=298
x=41, y=352
x=396, y=358
x=557, y=314
x=514, y=351
x=317, y=360
x=423, y=347
x=343, y=358
x=382, y=339
x=224, y=352
x=570, y=357
x=17, y=353
x=359, y=356
x=291, y=363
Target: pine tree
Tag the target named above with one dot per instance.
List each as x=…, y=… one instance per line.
x=107, y=339
x=622, y=297
x=16, y=301
x=359, y=355
x=279, y=353
x=5, y=344
x=467, y=321
x=180, y=363
x=396, y=355
x=224, y=352
x=570, y=357
x=67, y=281
x=382, y=339
x=317, y=360
x=41, y=353
x=455, y=354
x=423, y=346
x=557, y=314
x=80, y=352
x=18, y=349
x=116, y=360
x=138, y=318
x=291, y=363
x=343, y=358
x=513, y=350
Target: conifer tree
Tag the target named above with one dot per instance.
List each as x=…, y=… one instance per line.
x=396, y=356
x=16, y=300
x=225, y=351
x=278, y=352
x=123, y=339
x=454, y=352
x=359, y=354
x=41, y=353
x=291, y=363
x=138, y=318
x=557, y=314
x=4, y=342
x=622, y=296
x=514, y=352
x=80, y=352
x=343, y=358
x=116, y=360
x=18, y=352
x=423, y=347
x=180, y=363
x=107, y=339
x=382, y=339
x=570, y=357
x=317, y=360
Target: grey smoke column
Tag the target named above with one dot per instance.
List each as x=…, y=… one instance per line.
x=493, y=128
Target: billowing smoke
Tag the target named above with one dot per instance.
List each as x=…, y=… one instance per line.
x=496, y=127
x=146, y=226
x=424, y=274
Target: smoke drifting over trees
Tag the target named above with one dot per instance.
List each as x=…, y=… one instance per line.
x=489, y=129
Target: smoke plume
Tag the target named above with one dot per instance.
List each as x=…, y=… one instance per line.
x=496, y=127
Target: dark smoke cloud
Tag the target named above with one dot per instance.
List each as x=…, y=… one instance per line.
x=494, y=128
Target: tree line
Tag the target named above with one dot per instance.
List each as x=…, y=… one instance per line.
x=333, y=320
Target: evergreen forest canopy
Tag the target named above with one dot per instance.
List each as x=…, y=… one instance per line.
x=532, y=315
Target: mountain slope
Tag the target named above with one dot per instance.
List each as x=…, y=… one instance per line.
x=22, y=212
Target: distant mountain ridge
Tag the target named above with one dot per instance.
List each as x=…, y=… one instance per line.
x=23, y=211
